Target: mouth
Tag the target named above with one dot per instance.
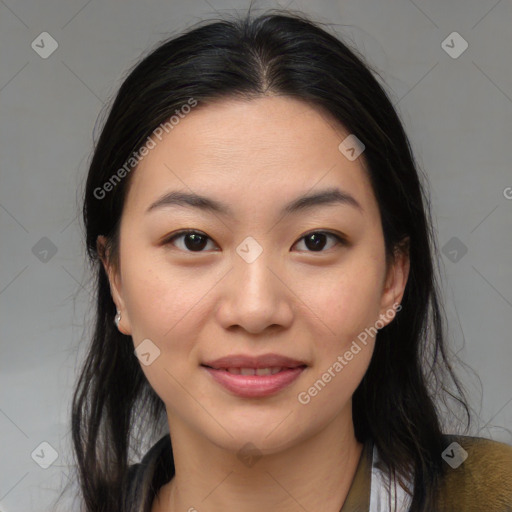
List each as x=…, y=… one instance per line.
x=254, y=377
x=271, y=370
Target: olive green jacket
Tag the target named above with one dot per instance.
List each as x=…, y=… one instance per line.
x=482, y=482
x=478, y=477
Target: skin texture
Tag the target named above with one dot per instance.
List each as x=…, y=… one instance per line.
x=293, y=300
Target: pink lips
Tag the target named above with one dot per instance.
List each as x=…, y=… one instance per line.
x=234, y=373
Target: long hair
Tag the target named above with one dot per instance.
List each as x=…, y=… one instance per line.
x=279, y=53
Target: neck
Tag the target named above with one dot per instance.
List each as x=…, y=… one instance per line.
x=312, y=475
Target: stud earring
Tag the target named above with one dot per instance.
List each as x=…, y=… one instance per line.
x=117, y=318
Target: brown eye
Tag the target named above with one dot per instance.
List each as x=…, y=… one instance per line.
x=193, y=241
x=317, y=240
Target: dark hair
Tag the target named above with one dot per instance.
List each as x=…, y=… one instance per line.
x=276, y=53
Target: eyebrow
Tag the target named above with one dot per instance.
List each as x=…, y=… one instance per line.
x=327, y=197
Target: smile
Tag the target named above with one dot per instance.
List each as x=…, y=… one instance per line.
x=254, y=382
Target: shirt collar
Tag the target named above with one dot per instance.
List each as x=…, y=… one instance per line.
x=358, y=497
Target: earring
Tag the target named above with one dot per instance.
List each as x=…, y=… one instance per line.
x=117, y=318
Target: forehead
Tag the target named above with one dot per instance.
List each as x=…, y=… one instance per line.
x=274, y=148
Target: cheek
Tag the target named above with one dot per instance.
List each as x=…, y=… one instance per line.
x=346, y=300
x=161, y=300
x=166, y=308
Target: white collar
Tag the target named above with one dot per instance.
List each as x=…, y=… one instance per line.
x=383, y=496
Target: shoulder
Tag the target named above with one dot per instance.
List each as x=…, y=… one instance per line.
x=478, y=475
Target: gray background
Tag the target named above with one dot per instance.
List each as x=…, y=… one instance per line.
x=457, y=112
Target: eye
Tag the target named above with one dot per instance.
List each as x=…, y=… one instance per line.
x=316, y=240
x=195, y=241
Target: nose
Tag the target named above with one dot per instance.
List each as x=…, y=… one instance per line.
x=255, y=294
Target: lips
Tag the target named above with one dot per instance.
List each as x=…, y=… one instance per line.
x=255, y=362
x=254, y=377
x=254, y=371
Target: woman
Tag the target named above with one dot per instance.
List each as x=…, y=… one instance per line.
x=262, y=241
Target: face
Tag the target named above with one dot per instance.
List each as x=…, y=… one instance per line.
x=253, y=278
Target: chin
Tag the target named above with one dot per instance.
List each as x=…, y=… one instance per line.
x=265, y=433
x=247, y=443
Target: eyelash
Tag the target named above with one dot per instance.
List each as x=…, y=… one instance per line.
x=340, y=240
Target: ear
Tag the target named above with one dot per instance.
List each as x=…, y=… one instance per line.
x=114, y=277
x=395, y=282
